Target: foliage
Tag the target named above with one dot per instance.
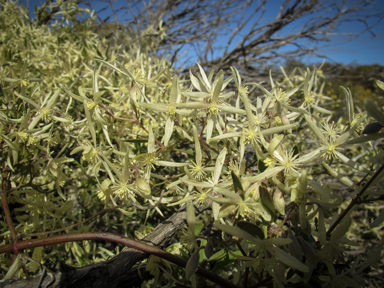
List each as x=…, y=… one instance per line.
x=88, y=128
x=360, y=79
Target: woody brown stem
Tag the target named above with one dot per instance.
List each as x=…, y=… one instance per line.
x=32, y=243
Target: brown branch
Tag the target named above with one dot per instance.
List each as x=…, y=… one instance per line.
x=32, y=243
x=8, y=217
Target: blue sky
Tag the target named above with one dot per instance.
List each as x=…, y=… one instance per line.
x=365, y=49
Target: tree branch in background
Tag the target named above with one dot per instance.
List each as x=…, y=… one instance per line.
x=197, y=28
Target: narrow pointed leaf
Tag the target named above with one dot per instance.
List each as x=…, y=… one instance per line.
x=315, y=129
x=236, y=232
x=372, y=110
x=251, y=229
x=289, y=260
x=192, y=265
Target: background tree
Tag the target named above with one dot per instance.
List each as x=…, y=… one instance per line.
x=220, y=34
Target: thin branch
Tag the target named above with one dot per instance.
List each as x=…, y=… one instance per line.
x=355, y=200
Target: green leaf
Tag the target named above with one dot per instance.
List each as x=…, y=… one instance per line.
x=218, y=166
x=191, y=217
x=218, y=255
x=222, y=263
x=225, y=136
x=341, y=230
x=289, y=260
x=26, y=99
x=226, y=209
x=9, y=142
x=266, y=200
x=251, y=229
x=363, y=139
x=37, y=256
x=343, y=179
x=315, y=129
x=228, y=193
x=236, y=182
x=378, y=220
x=350, y=108
x=217, y=91
x=208, y=249
x=261, y=166
x=380, y=84
x=266, y=174
x=14, y=268
x=321, y=110
x=198, y=228
x=192, y=264
x=129, y=75
x=278, y=129
x=196, y=83
x=274, y=143
x=373, y=111
x=236, y=232
x=90, y=122
x=204, y=76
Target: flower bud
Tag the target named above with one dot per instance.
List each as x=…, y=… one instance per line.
x=143, y=186
x=279, y=202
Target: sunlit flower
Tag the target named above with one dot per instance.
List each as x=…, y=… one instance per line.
x=203, y=195
x=68, y=125
x=251, y=136
x=234, y=167
x=331, y=131
x=213, y=109
x=281, y=96
x=32, y=140
x=251, y=209
x=244, y=89
x=151, y=161
x=356, y=118
x=123, y=190
x=45, y=113
x=171, y=110
x=23, y=136
x=330, y=151
x=287, y=159
x=197, y=171
x=260, y=119
x=309, y=99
